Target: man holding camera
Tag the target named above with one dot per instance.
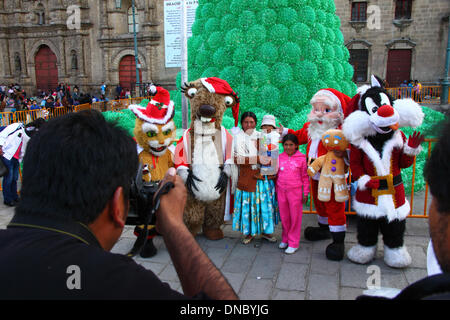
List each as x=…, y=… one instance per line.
x=74, y=203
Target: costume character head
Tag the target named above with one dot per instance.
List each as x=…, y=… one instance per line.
x=334, y=140
x=377, y=115
x=329, y=107
x=154, y=126
x=209, y=99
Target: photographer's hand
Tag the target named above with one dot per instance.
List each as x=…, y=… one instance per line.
x=195, y=270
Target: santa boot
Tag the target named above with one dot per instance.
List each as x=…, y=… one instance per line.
x=397, y=257
x=335, y=250
x=362, y=254
x=321, y=232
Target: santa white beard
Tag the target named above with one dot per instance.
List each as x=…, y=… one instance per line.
x=316, y=129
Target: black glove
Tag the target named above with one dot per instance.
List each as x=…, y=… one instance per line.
x=190, y=181
x=222, y=183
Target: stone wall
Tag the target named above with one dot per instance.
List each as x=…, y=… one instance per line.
x=425, y=34
x=103, y=39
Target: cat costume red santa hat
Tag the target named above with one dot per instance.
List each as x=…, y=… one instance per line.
x=378, y=153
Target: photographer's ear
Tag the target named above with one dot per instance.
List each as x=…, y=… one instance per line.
x=119, y=210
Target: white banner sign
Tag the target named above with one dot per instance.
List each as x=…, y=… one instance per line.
x=172, y=29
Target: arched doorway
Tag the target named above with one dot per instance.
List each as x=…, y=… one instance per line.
x=46, y=69
x=127, y=72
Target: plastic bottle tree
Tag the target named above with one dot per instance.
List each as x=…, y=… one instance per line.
x=275, y=53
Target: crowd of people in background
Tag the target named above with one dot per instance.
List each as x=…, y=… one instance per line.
x=413, y=89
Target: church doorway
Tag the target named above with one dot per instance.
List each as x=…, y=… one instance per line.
x=127, y=73
x=46, y=69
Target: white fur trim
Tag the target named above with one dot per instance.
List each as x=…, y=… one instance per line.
x=329, y=94
x=382, y=165
x=362, y=181
x=357, y=126
x=138, y=111
x=411, y=151
x=322, y=220
x=342, y=228
x=410, y=112
x=397, y=257
x=362, y=254
x=385, y=208
x=154, y=102
x=208, y=85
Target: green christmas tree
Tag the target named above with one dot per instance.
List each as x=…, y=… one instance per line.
x=276, y=54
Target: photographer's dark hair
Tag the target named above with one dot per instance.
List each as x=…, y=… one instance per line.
x=437, y=169
x=290, y=137
x=73, y=165
x=248, y=114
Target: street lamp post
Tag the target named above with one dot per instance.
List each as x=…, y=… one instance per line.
x=445, y=82
x=135, y=48
x=184, y=69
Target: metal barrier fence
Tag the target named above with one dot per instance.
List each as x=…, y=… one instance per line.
x=26, y=116
x=115, y=105
x=7, y=118
x=427, y=95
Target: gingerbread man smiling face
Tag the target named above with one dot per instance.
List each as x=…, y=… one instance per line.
x=332, y=167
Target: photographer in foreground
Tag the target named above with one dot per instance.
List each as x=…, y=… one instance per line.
x=74, y=203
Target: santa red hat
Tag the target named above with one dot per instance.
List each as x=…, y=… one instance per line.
x=335, y=98
x=159, y=110
x=220, y=86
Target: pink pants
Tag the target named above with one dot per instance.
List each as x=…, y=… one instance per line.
x=291, y=210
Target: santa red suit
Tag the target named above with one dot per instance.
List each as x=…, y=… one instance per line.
x=330, y=213
x=329, y=109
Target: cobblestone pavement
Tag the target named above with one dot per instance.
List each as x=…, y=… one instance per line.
x=260, y=270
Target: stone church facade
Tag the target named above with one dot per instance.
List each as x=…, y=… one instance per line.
x=39, y=49
x=36, y=36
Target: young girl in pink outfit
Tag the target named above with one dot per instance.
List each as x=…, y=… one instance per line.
x=292, y=188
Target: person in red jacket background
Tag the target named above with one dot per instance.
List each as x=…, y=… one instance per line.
x=329, y=107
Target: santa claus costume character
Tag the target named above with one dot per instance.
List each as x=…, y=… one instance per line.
x=155, y=133
x=379, y=150
x=329, y=107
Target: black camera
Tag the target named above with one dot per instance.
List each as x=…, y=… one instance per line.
x=141, y=200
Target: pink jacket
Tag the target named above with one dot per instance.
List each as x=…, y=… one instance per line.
x=292, y=172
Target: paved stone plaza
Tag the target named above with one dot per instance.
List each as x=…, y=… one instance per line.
x=262, y=271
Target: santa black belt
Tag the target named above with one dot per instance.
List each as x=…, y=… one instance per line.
x=396, y=180
x=387, y=185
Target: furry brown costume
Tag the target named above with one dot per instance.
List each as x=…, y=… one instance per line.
x=203, y=155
